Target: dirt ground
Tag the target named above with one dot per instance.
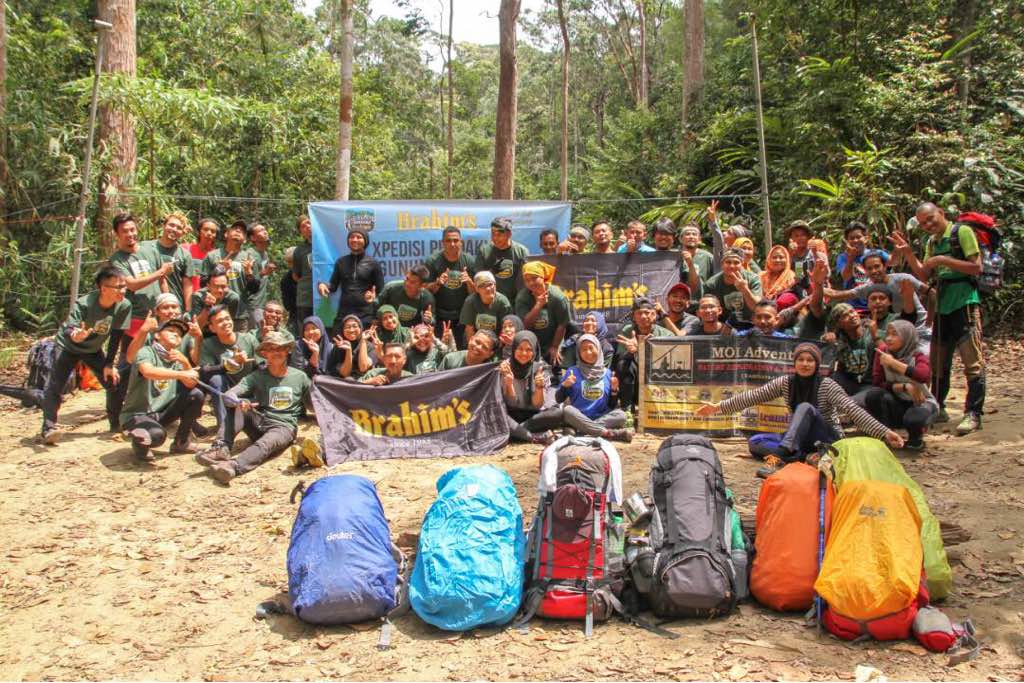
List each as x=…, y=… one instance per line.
x=114, y=570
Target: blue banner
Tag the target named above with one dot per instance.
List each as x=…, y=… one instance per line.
x=405, y=233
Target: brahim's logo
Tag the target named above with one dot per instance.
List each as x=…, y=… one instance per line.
x=361, y=219
x=424, y=420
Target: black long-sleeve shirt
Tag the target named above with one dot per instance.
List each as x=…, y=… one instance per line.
x=354, y=274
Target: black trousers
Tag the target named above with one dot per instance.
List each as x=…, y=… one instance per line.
x=894, y=412
x=63, y=365
x=266, y=439
x=187, y=406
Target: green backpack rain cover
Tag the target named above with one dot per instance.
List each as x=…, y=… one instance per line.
x=865, y=459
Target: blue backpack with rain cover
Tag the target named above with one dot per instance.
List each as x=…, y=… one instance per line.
x=470, y=562
x=342, y=565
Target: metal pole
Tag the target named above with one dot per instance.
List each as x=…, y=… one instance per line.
x=763, y=161
x=83, y=196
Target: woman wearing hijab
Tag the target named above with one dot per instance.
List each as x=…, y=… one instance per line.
x=746, y=245
x=529, y=401
x=511, y=325
x=589, y=394
x=544, y=309
x=311, y=354
x=777, y=276
x=901, y=373
x=815, y=403
x=358, y=276
x=350, y=354
x=485, y=308
x=426, y=351
x=593, y=323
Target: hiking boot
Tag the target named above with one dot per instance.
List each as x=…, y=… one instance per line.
x=141, y=436
x=217, y=453
x=772, y=464
x=223, y=472
x=970, y=423
x=625, y=435
x=916, y=445
x=543, y=438
x=943, y=416
x=313, y=452
x=51, y=436
x=186, y=447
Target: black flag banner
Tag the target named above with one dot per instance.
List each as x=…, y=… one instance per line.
x=678, y=374
x=440, y=414
x=608, y=283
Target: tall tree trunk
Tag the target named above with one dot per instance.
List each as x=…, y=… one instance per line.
x=965, y=21
x=644, y=83
x=693, y=58
x=3, y=118
x=451, y=100
x=117, y=128
x=343, y=171
x=505, y=124
x=564, y=25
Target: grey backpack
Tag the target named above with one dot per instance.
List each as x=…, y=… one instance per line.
x=690, y=532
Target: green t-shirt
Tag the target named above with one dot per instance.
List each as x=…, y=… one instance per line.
x=482, y=317
x=281, y=399
x=183, y=266
x=230, y=300
x=452, y=296
x=410, y=311
x=733, y=306
x=146, y=396
x=417, y=362
x=187, y=341
x=377, y=372
x=855, y=356
x=302, y=266
x=961, y=291
x=506, y=264
x=102, y=321
x=144, y=261
x=702, y=260
x=237, y=279
x=627, y=331
x=214, y=352
x=557, y=312
x=259, y=298
x=457, y=359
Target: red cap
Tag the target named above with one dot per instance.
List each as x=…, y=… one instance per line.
x=786, y=299
x=680, y=287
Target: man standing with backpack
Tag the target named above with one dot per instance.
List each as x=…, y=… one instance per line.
x=99, y=316
x=957, y=322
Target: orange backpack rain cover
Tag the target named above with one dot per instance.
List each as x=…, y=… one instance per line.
x=786, y=538
x=874, y=557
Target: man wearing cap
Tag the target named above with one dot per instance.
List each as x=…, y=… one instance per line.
x=602, y=232
x=359, y=277
x=239, y=265
x=576, y=243
x=664, y=234
x=410, y=297
x=503, y=257
x=694, y=262
x=450, y=271
x=271, y=400
x=797, y=237
x=153, y=401
x=676, y=319
x=100, y=316
x=485, y=308
x=739, y=290
x=394, y=358
x=167, y=308
x=631, y=336
x=179, y=279
x=544, y=309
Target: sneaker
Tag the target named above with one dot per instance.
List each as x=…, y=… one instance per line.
x=916, y=445
x=189, y=446
x=223, y=472
x=217, y=453
x=625, y=435
x=51, y=436
x=772, y=464
x=943, y=416
x=970, y=423
x=313, y=452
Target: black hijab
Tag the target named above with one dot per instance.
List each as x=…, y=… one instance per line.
x=805, y=389
x=519, y=370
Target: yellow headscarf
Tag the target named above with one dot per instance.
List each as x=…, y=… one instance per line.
x=540, y=269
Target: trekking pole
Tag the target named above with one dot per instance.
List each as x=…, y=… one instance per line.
x=824, y=475
x=231, y=400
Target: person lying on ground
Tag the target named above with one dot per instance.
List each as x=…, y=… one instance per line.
x=484, y=308
x=154, y=402
x=589, y=395
x=738, y=290
x=544, y=309
x=709, y=319
x=901, y=373
x=102, y=315
x=815, y=403
x=511, y=325
x=393, y=369
x=630, y=337
x=593, y=323
x=525, y=385
x=409, y=297
x=766, y=321
x=358, y=276
x=271, y=400
x=217, y=292
x=350, y=351
x=425, y=352
x=480, y=350
x=676, y=319
x=239, y=264
x=311, y=354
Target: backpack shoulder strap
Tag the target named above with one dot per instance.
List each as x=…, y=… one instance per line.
x=401, y=597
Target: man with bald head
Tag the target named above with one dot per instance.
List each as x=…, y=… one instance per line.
x=952, y=261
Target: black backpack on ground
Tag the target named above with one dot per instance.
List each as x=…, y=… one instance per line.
x=40, y=359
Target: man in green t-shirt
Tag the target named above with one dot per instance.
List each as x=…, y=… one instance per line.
x=224, y=359
x=259, y=238
x=179, y=279
x=100, y=316
x=217, y=292
x=153, y=400
x=144, y=270
x=271, y=400
x=410, y=298
x=627, y=350
x=956, y=326
x=695, y=264
x=503, y=257
x=544, y=309
x=739, y=290
x=239, y=263
x=479, y=350
x=485, y=308
x=302, y=271
x=394, y=367
x=451, y=282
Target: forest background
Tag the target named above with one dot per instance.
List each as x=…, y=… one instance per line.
x=231, y=108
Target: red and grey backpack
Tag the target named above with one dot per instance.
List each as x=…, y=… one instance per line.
x=989, y=240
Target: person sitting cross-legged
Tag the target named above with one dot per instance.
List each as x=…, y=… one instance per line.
x=589, y=394
x=271, y=399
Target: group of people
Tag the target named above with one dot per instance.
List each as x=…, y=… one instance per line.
x=184, y=324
